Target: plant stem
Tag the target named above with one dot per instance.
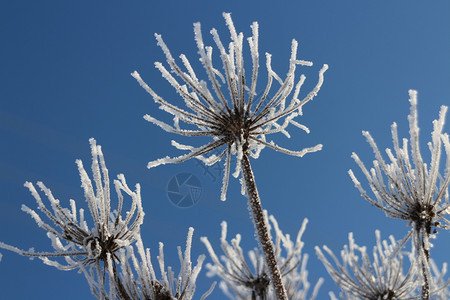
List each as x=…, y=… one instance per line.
x=426, y=283
x=261, y=228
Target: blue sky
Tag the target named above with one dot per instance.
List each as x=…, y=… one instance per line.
x=65, y=77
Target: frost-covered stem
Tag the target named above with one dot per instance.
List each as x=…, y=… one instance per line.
x=424, y=266
x=261, y=228
x=426, y=284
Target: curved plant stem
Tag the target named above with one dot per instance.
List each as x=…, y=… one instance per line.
x=261, y=228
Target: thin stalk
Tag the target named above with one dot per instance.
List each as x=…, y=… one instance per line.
x=426, y=283
x=261, y=228
x=423, y=259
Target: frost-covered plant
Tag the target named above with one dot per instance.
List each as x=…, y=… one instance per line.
x=238, y=123
x=382, y=279
x=242, y=281
x=87, y=247
x=413, y=191
x=137, y=278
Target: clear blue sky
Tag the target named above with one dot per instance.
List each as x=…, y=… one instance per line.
x=64, y=77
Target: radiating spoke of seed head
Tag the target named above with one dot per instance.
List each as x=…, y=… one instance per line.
x=79, y=245
x=241, y=280
x=233, y=114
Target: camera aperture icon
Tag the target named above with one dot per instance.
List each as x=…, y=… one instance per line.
x=184, y=190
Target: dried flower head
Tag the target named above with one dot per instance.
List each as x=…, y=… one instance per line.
x=83, y=247
x=382, y=279
x=413, y=191
x=238, y=123
x=146, y=285
x=418, y=195
x=242, y=281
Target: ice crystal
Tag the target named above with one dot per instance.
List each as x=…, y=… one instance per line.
x=240, y=122
x=382, y=279
x=243, y=281
x=83, y=247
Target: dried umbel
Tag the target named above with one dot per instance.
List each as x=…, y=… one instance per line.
x=243, y=281
x=412, y=191
x=380, y=279
x=236, y=120
x=240, y=122
x=137, y=279
x=82, y=246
